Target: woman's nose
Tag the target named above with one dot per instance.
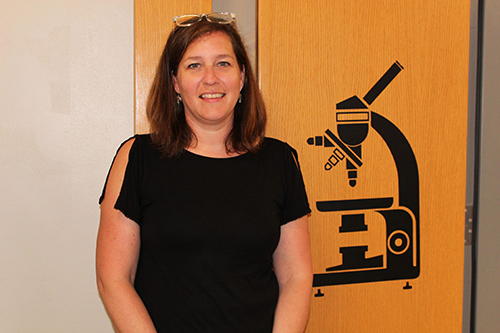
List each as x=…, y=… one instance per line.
x=210, y=76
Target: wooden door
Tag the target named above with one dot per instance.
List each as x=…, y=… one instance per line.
x=373, y=95
x=153, y=21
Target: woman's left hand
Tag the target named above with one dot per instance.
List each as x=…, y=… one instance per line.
x=293, y=268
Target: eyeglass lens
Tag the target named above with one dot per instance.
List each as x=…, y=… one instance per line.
x=220, y=17
x=187, y=20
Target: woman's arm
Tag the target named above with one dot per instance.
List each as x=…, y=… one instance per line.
x=117, y=254
x=293, y=268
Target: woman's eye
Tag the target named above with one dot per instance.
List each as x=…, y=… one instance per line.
x=194, y=65
x=224, y=64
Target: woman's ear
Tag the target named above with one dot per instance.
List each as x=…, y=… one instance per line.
x=176, y=84
x=242, y=77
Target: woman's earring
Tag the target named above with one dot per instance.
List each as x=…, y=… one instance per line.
x=239, y=99
x=179, y=99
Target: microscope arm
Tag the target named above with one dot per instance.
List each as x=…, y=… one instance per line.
x=406, y=163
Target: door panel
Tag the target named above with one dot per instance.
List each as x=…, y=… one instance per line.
x=153, y=23
x=373, y=95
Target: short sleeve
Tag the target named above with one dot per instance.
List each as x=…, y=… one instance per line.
x=296, y=202
x=129, y=199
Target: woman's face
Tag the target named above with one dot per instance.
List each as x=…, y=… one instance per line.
x=209, y=81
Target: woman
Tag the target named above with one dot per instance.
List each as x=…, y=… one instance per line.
x=204, y=221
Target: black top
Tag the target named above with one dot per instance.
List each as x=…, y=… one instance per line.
x=209, y=228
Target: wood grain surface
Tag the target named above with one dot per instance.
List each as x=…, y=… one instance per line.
x=153, y=21
x=314, y=54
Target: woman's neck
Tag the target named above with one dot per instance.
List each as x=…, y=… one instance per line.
x=210, y=141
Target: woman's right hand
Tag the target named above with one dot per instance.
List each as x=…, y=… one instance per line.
x=117, y=255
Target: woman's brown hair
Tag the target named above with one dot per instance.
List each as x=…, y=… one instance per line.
x=169, y=129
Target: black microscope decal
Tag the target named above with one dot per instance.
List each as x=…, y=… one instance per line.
x=402, y=257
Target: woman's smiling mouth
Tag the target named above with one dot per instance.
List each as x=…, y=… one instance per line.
x=209, y=96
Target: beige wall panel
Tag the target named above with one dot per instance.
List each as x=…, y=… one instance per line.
x=314, y=54
x=153, y=23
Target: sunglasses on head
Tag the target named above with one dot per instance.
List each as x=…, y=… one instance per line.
x=190, y=19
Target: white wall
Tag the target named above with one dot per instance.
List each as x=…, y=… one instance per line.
x=488, y=226
x=66, y=103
